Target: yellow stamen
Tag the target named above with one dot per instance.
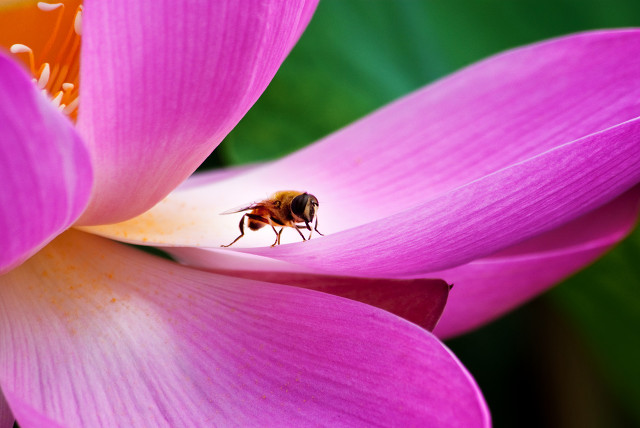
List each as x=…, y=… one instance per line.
x=73, y=105
x=44, y=73
x=56, y=100
x=77, y=21
x=58, y=70
x=47, y=7
x=19, y=48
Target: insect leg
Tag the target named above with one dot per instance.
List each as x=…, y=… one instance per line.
x=277, y=236
x=316, y=227
x=298, y=229
x=241, y=232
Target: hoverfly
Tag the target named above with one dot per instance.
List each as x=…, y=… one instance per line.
x=286, y=208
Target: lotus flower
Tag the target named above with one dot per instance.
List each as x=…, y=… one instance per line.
x=481, y=178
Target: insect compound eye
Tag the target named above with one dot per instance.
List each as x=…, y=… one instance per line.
x=301, y=207
x=299, y=204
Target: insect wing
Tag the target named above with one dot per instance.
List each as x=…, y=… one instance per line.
x=245, y=207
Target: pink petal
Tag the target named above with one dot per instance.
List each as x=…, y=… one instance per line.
x=506, y=149
x=44, y=168
x=164, y=82
x=483, y=216
x=99, y=334
x=487, y=288
x=6, y=417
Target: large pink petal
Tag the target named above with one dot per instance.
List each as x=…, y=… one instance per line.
x=164, y=82
x=503, y=150
x=44, y=168
x=483, y=216
x=94, y=333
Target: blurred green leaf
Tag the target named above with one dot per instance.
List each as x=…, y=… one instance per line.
x=357, y=55
x=604, y=303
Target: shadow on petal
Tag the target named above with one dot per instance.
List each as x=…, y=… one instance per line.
x=420, y=301
x=6, y=417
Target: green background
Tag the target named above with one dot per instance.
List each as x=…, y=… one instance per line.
x=570, y=358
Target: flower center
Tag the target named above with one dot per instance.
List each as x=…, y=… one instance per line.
x=56, y=68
